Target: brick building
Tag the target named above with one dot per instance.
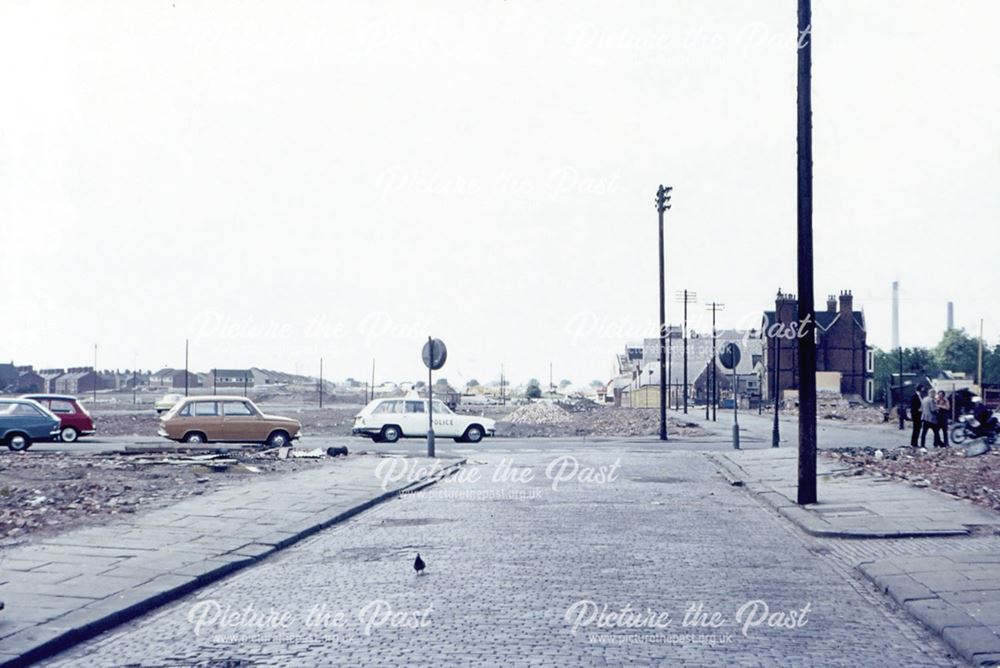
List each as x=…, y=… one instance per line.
x=841, y=346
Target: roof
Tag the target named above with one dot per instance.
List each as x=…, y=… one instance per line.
x=824, y=319
x=217, y=397
x=233, y=372
x=75, y=375
x=42, y=395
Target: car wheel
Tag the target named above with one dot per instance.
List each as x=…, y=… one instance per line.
x=18, y=442
x=958, y=434
x=390, y=433
x=194, y=437
x=474, y=434
x=278, y=439
x=69, y=435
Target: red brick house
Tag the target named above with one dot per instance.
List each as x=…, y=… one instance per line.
x=841, y=345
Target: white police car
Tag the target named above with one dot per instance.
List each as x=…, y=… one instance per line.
x=388, y=420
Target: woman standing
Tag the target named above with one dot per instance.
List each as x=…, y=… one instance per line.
x=942, y=415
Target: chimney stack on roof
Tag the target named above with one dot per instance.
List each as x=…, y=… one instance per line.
x=846, y=302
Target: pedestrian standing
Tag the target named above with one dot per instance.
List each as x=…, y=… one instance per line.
x=943, y=413
x=915, y=414
x=928, y=418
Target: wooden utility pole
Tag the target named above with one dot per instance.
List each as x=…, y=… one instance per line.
x=686, y=297
x=321, y=382
x=806, y=326
x=979, y=372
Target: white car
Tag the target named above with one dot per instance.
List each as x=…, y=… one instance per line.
x=388, y=420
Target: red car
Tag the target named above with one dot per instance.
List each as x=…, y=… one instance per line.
x=74, y=419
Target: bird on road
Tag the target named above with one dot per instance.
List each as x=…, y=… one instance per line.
x=419, y=565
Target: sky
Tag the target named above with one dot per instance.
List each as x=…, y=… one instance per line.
x=278, y=182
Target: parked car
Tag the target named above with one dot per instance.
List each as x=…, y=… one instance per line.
x=388, y=420
x=228, y=419
x=73, y=416
x=166, y=402
x=23, y=422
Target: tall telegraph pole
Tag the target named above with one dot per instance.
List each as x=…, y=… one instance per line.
x=686, y=297
x=806, y=307
x=714, y=307
x=662, y=204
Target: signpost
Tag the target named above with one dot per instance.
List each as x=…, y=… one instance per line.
x=434, y=354
x=730, y=358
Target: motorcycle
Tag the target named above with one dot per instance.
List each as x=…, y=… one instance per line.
x=968, y=428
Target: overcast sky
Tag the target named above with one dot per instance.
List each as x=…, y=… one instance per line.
x=283, y=180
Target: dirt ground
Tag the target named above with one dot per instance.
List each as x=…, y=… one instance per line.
x=43, y=493
x=946, y=470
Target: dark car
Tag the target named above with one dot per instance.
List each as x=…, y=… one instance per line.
x=23, y=422
x=73, y=417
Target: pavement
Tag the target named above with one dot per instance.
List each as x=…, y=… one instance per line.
x=541, y=568
x=71, y=587
x=853, y=506
x=954, y=592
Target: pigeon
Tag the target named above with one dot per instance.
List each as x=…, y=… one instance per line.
x=419, y=565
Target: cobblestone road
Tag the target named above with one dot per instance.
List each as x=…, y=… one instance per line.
x=508, y=559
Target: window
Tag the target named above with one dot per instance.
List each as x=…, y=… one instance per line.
x=869, y=390
x=439, y=407
x=415, y=407
x=237, y=409
x=206, y=408
x=24, y=410
x=870, y=361
x=62, y=407
x=389, y=407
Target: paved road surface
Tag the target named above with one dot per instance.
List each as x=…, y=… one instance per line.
x=513, y=566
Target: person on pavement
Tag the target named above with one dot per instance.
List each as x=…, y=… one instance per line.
x=943, y=415
x=928, y=418
x=915, y=414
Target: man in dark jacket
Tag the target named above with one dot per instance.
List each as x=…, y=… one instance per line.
x=915, y=414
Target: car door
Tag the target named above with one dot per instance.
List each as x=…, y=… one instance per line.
x=205, y=417
x=241, y=423
x=414, y=417
x=445, y=422
x=31, y=420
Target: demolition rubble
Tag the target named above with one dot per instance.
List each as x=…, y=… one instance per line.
x=947, y=470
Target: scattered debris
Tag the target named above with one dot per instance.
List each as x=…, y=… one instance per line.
x=948, y=470
x=43, y=493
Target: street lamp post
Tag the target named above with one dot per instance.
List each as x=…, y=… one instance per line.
x=775, y=432
x=662, y=204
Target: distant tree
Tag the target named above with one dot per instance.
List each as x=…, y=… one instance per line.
x=957, y=351
x=441, y=381
x=917, y=361
x=534, y=390
x=596, y=383
x=565, y=383
x=472, y=383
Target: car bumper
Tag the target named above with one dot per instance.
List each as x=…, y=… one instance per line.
x=365, y=431
x=162, y=432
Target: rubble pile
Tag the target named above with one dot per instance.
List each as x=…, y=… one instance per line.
x=541, y=419
x=835, y=407
x=540, y=413
x=947, y=470
x=43, y=493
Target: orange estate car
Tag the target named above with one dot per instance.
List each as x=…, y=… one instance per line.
x=229, y=419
